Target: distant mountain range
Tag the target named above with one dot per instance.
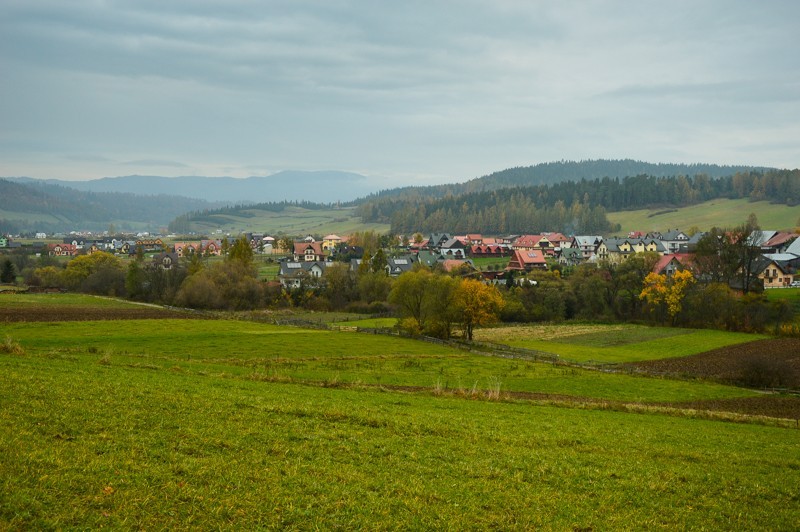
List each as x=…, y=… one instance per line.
x=318, y=187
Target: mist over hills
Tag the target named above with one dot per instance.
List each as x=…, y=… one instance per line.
x=318, y=187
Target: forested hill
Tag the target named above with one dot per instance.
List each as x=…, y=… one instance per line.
x=557, y=172
x=573, y=206
x=53, y=208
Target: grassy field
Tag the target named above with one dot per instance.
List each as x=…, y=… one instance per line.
x=230, y=424
x=719, y=212
x=612, y=343
x=292, y=221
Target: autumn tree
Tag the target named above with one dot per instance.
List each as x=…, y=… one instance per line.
x=98, y=273
x=478, y=304
x=667, y=292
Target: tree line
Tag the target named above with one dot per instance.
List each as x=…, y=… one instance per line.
x=574, y=206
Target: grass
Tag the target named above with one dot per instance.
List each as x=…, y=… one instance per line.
x=292, y=221
x=242, y=350
x=133, y=447
x=612, y=343
x=719, y=212
x=203, y=424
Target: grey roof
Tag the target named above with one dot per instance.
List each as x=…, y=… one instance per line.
x=794, y=247
x=674, y=234
x=588, y=240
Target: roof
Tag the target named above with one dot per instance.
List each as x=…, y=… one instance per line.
x=683, y=258
x=527, y=241
x=674, y=234
x=332, y=237
x=454, y=264
x=588, y=240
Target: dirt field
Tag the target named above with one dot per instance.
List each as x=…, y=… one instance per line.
x=90, y=314
x=771, y=363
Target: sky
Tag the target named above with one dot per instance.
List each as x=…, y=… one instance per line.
x=407, y=93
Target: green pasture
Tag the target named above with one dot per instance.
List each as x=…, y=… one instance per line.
x=291, y=221
x=719, y=212
x=613, y=343
x=238, y=350
x=23, y=301
x=148, y=441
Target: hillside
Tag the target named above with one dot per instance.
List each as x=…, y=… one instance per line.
x=284, y=218
x=557, y=172
x=575, y=206
x=323, y=186
x=39, y=206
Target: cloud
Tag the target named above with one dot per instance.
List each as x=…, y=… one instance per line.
x=444, y=90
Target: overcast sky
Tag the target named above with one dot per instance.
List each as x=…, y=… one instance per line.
x=411, y=92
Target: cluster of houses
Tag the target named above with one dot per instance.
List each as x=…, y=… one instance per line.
x=309, y=258
x=777, y=266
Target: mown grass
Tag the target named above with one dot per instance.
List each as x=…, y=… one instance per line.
x=292, y=221
x=88, y=445
x=612, y=343
x=723, y=213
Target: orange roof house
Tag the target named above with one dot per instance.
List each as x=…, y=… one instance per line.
x=527, y=260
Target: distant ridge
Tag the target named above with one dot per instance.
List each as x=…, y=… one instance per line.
x=560, y=171
x=318, y=186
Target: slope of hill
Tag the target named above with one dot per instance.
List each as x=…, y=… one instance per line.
x=39, y=206
x=560, y=171
x=323, y=186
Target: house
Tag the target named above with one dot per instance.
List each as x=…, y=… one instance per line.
x=670, y=263
x=308, y=251
x=292, y=273
x=150, y=244
x=436, y=240
x=587, y=244
x=616, y=250
x=570, y=256
x=62, y=250
x=473, y=239
x=779, y=242
x=453, y=248
x=330, y=242
x=777, y=270
x=527, y=260
x=399, y=265
x=210, y=247
x=558, y=240
x=488, y=250
x=166, y=261
x=673, y=240
x=184, y=249
x=466, y=267
x=526, y=242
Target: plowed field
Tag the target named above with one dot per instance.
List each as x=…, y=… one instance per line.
x=759, y=364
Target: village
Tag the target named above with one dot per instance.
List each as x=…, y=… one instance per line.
x=490, y=258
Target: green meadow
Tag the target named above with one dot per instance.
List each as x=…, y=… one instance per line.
x=613, y=343
x=290, y=221
x=198, y=424
x=719, y=212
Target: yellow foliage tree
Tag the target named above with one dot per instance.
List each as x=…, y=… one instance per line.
x=478, y=304
x=662, y=291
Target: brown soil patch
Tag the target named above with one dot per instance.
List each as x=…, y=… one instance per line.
x=779, y=406
x=90, y=314
x=758, y=364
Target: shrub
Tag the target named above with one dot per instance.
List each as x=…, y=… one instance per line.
x=11, y=347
